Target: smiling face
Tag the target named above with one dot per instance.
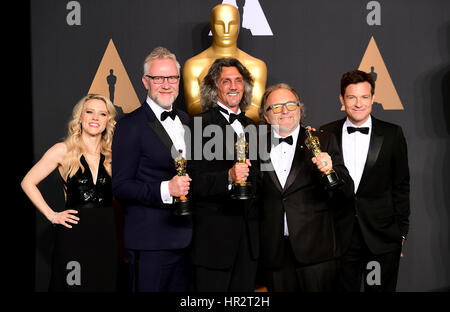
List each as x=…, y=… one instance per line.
x=163, y=94
x=357, y=101
x=286, y=121
x=230, y=87
x=94, y=117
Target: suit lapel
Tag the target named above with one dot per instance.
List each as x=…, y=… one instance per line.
x=223, y=123
x=338, y=133
x=376, y=141
x=183, y=120
x=270, y=170
x=299, y=159
x=157, y=127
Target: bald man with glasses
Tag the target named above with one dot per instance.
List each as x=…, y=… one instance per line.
x=298, y=244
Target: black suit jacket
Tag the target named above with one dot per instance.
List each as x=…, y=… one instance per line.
x=382, y=199
x=309, y=208
x=219, y=221
x=141, y=160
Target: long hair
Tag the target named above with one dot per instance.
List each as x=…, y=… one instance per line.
x=277, y=86
x=209, y=88
x=75, y=146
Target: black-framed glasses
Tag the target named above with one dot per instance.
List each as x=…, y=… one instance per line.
x=278, y=108
x=160, y=79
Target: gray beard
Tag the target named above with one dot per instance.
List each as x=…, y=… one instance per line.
x=232, y=104
x=165, y=104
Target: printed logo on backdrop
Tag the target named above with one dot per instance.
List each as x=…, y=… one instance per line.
x=386, y=95
x=252, y=17
x=112, y=80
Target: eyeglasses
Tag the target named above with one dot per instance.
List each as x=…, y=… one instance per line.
x=160, y=79
x=278, y=108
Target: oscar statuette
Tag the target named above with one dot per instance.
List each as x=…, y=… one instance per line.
x=330, y=178
x=241, y=190
x=181, y=203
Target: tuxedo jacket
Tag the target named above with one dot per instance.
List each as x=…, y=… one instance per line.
x=381, y=202
x=219, y=221
x=141, y=160
x=308, y=206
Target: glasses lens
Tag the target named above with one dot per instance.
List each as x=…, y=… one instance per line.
x=277, y=108
x=173, y=79
x=158, y=79
x=291, y=106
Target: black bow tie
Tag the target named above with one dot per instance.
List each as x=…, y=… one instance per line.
x=364, y=130
x=172, y=114
x=289, y=140
x=240, y=117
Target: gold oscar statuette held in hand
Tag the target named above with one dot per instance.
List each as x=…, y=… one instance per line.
x=181, y=203
x=241, y=190
x=330, y=178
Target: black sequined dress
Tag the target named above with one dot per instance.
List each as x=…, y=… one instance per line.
x=85, y=256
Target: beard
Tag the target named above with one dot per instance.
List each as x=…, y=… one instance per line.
x=231, y=103
x=285, y=128
x=166, y=102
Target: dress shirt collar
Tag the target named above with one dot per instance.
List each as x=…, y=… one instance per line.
x=156, y=108
x=294, y=135
x=348, y=123
x=228, y=110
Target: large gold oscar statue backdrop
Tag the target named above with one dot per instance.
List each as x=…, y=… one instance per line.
x=225, y=24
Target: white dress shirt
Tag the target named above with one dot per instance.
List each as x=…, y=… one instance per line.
x=355, y=148
x=237, y=126
x=281, y=157
x=175, y=130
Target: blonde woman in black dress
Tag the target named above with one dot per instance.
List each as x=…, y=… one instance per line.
x=85, y=253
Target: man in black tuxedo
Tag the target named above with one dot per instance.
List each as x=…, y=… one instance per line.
x=374, y=230
x=145, y=181
x=298, y=243
x=225, y=241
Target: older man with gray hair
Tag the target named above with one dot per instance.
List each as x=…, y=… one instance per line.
x=145, y=181
x=298, y=241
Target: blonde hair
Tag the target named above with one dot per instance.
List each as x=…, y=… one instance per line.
x=75, y=146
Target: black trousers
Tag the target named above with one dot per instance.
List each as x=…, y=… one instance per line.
x=359, y=266
x=295, y=277
x=239, y=278
x=158, y=270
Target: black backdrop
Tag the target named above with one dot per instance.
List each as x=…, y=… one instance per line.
x=313, y=43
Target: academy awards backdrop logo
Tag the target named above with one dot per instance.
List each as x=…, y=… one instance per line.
x=385, y=93
x=112, y=80
x=372, y=62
